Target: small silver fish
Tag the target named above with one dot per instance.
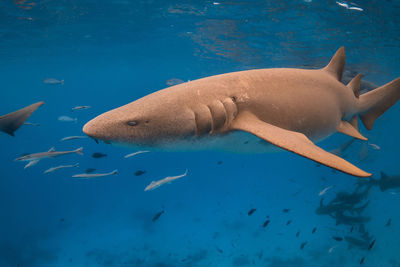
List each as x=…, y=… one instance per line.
x=174, y=81
x=374, y=146
x=136, y=153
x=49, y=154
x=80, y=108
x=332, y=248
x=356, y=8
x=155, y=184
x=61, y=167
x=344, y=4
x=31, y=163
x=323, y=191
x=53, y=81
x=31, y=123
x=72, y=138
x=67, y=119
x=94, y=175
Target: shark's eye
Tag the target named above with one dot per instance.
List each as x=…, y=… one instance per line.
x=132, y=123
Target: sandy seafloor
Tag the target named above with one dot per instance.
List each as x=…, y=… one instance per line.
x=112, y=52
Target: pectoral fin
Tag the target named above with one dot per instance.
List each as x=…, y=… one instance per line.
x=348, y=129
x=9, y=123
x=294, y=142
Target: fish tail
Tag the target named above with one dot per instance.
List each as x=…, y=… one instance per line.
x=374, y=103
x=76, y=165
x=114, y=172
x=79, y=151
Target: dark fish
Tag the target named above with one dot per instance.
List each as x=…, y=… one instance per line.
x=266, y=223
x=371, y=245
x=251, y=211
x=219, y=162
x=288, y=222
x=157, y=216
x=62, y=220
x=98, y=155
x=285, y=210
x=362, y=260
x=90, y=170
x=337, y=238
x=303, y=245
x=351, y=229
x=219, y=250
x=314, y=230
x=389, y=222
x=298, y=233
x=215, y=235
x=139, y=172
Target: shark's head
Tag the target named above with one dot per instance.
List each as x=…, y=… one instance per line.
x=150, y=121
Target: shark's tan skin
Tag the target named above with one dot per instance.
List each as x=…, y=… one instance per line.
x=9, y=123
x=285, y=107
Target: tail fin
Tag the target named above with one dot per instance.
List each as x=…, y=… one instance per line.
x=374, y=103
x=114, y=172
x=79, y=151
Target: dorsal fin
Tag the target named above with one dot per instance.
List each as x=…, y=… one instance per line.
x=354, y=85
x=336, y=65
x=384, y=175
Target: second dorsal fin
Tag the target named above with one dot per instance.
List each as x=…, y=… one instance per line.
x=336, y=65
x=354, y=85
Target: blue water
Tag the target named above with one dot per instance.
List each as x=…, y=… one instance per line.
x=112, y=52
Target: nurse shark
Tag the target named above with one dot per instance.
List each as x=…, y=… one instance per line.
x=286, y=107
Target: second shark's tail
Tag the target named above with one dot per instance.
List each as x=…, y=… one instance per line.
x=374, y=103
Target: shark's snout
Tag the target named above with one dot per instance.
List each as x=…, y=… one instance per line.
x=93, y=130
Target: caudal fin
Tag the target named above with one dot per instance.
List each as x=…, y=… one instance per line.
x=374, y=103
x=79, y=151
